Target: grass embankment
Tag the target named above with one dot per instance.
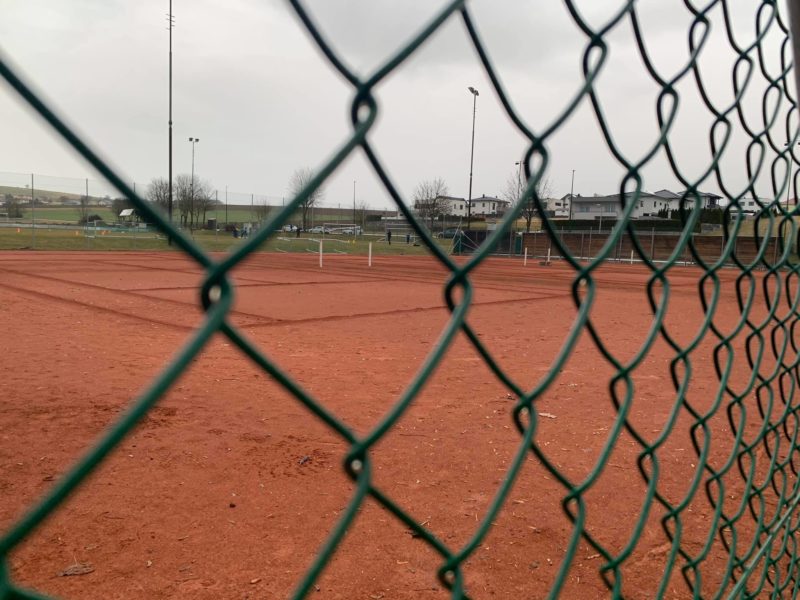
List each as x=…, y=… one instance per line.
x=70, y=214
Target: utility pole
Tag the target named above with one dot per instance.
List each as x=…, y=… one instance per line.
x=354, y=206
x=171, y=21
x=571, y=188
x=193, y=140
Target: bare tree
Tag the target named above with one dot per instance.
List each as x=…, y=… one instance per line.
x=204, y=200
x=193, y=201
x=13, y=207
x=361, y=214
x=430, y=200
x=83, y=209
x=514, y=191
x=183, y=198
x=158, y=193
x=120, y=204
x=299, y=181
x=262, y=210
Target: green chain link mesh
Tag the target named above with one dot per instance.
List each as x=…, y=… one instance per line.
x=760, y=533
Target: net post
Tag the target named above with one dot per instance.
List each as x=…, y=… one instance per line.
x=320, y=254
x=369, y=259
x=525, y=259
x=33, y=213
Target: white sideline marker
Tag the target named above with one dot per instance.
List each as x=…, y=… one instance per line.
x=370, y=255
x=525, y=259
x=320, y=254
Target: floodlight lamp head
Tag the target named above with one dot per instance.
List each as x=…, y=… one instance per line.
x=473, y=91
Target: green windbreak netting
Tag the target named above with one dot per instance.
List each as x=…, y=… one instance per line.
x=746, y=544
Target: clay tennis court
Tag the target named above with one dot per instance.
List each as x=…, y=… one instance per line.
x=228, y=488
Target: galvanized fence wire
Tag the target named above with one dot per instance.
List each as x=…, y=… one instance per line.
x=760, y=532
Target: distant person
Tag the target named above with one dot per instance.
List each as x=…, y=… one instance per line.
x=408, y=238
x=389, y=237
x=297, y=229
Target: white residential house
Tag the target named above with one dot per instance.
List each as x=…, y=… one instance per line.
x=452, y=206
x=611, y=207
x=648, y=205
x=489, y=206
x=749, y=205
x=557, y=207
x=482, y=206
x=707, y=199
x=456, y=207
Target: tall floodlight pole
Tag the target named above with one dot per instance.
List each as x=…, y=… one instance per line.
x=474, y=93
x=354, y=206
x=571, y=188
x=193, y=140
x=518, y=164
x=171, y=22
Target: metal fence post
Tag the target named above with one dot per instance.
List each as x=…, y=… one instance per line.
x=653, y=244
x=722, y=249
x=589, y=250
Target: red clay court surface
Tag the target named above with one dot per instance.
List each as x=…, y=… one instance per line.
x=229, y=486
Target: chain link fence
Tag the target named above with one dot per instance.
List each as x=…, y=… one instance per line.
x=759, y=531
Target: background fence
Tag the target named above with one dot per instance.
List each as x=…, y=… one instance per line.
x=660, y=247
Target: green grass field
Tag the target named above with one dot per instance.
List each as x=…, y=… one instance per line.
x=66, y=214
x=234, y=214
x=75, y=239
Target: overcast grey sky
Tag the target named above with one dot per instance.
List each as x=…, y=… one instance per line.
x=250, y=83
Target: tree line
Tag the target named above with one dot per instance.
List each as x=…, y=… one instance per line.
x=191, y=200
